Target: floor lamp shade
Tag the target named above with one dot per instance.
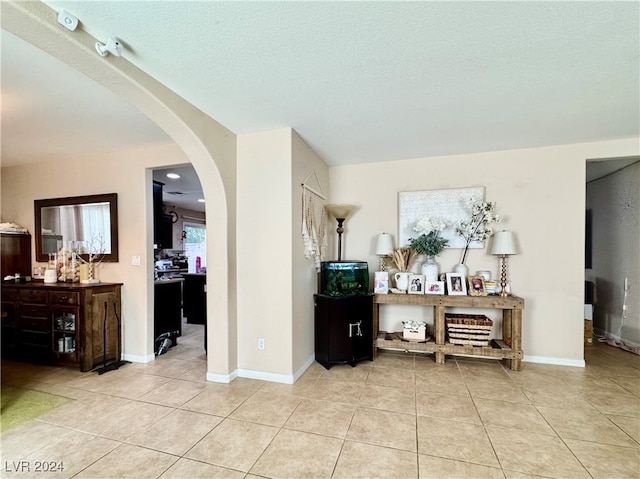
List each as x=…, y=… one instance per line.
x=340, y=212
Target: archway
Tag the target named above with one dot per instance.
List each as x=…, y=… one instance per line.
x=208, y=145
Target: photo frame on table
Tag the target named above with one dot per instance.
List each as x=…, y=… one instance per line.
x=434, y=287
x=416, y=284
x=456, y=284
x=477, y=286
x=451, y=204
x=381, y=282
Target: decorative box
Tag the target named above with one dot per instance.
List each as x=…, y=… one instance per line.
x=414, y=330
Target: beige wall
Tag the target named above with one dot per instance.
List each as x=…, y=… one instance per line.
x=304, y=276
x=264, y=252
x=209, y=146
x=276, y=282
x=104, y=174
x=541, y=194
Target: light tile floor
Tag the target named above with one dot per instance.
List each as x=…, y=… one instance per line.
x=399, y=416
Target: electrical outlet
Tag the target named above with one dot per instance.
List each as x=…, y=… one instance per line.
x=135, y=260
x=261, y=344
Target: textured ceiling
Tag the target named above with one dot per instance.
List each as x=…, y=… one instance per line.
x=359, y=81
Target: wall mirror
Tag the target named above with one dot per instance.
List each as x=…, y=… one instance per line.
x=88, y=224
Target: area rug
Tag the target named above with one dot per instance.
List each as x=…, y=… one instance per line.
x=22, y=405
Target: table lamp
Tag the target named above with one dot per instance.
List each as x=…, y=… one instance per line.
x=384, y=248
x=340, y=212
x=504, y=245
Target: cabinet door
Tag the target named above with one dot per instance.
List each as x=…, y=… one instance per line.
x=341, y=331
x=99, y=333
x=9, y=332
x=64, y=329
x=362, y=316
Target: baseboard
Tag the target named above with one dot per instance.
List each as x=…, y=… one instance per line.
x=310, y=360
x=139, y=359
x=277, y=378
x=264, y=376
x=222, y=378
x=576, y=363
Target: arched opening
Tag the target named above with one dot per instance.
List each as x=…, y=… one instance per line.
x=209, y=147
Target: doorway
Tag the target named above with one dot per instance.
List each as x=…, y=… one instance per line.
x=613, y=274
x=179, y=249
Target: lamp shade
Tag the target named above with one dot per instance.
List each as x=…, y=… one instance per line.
x=384, y=244
x=504, y=243
x=340, y=210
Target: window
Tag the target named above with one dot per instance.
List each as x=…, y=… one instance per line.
x=195, y=245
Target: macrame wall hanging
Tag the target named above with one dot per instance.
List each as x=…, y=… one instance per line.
x=313, y=232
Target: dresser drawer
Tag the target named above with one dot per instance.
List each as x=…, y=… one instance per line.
x=33, y=296
x=42, y=325
x=9, y=294
x=36, y=338
x=64, y=297
x=34, y=310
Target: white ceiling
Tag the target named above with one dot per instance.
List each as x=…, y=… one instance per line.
x=359, y=81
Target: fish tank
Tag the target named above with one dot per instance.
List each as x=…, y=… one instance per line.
x=344, y=278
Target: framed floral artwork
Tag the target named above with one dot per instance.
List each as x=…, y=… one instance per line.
x=451, y=204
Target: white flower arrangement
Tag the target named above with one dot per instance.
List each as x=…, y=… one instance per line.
x=476, y=229
x=427, y=225
x=429, y=241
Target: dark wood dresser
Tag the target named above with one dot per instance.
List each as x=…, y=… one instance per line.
x=62, y=323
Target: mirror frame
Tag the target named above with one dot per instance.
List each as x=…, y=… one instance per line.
x=111, y=198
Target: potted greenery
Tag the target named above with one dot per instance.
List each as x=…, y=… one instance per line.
x=429, y=244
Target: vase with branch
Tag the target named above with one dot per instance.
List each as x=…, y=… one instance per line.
x=430, y=244
x=94, y=251
x=476, y=228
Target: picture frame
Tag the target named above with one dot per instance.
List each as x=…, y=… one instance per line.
x=451, y=204
x=416, y=284
x=456, y=284
x=381, y=282
x=476, y=286
x=434, y=287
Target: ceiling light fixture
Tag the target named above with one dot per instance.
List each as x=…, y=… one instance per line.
x=112, y=46
x=173, y=176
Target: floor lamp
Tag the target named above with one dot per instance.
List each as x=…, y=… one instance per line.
x=340, y=213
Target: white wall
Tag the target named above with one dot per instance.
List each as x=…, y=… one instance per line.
x=615, y=203
x=541, y=194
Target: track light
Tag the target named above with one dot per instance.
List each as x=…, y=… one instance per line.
x=112, y=46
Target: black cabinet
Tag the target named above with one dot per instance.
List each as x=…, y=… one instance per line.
x=343, y=329
x=167, y=307
x=195, y=298
x=162, y=223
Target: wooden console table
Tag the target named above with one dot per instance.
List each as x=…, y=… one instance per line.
x=509, y=347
